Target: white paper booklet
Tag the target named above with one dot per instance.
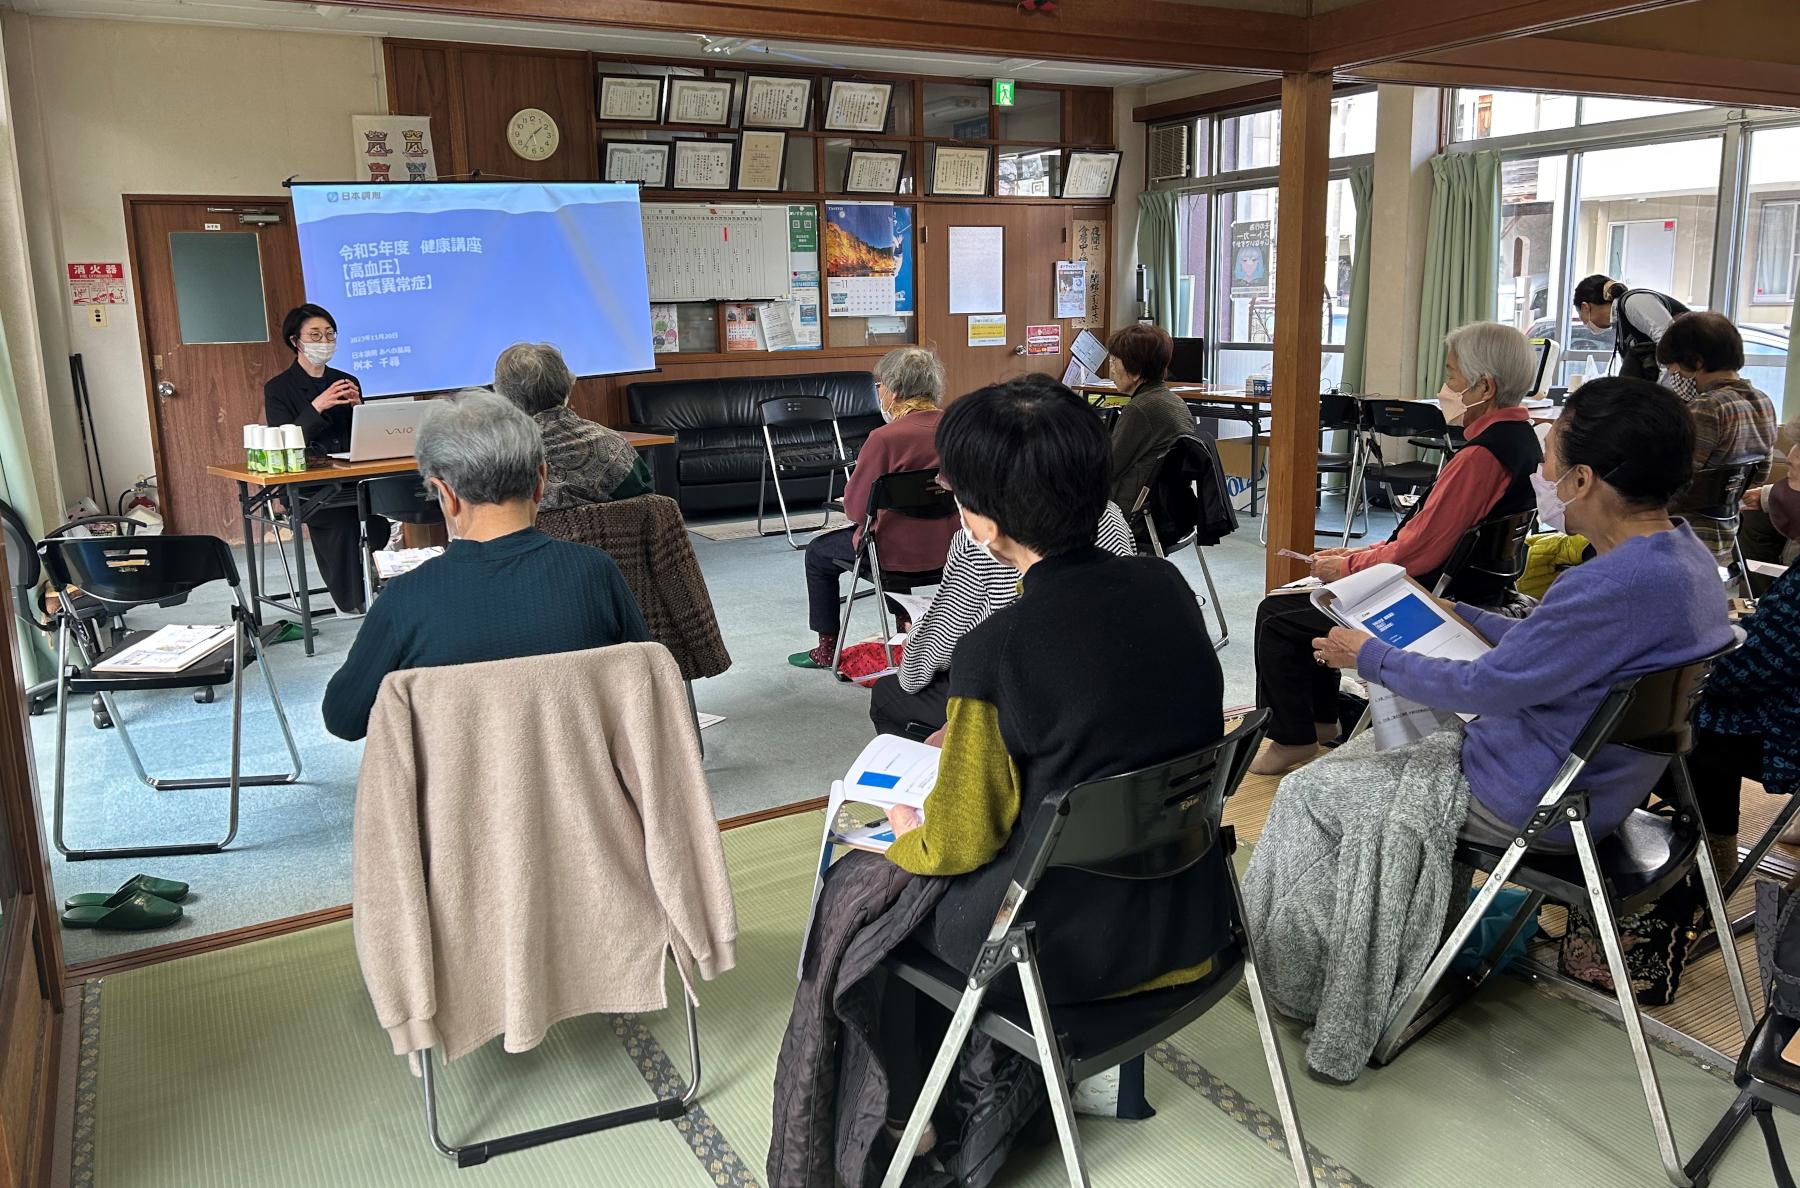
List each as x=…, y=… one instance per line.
x=391, y=563
x=1383, y=601
x=913, y=606
x=168, y=649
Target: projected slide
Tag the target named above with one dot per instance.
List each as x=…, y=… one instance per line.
x=430, y=282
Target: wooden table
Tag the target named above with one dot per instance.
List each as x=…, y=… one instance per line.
x=304, y=492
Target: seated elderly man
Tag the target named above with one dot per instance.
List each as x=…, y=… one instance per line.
x=1489, y=369
x=502, y=589
x=587, y=463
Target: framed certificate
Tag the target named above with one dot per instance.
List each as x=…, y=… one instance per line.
x=635, y=98
x=776, y=102
x=703, y=164
x=857, y=106
x=1090, y=173
x=761, y=157
x=960, y=169
x=637, y=161
x=874, y=171
x=699, y=101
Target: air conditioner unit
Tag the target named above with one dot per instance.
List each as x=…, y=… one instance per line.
x=1168, y=151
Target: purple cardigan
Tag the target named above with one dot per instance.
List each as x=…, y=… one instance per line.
x=1653, y=602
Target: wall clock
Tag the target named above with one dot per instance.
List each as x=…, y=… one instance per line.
x=533, y=134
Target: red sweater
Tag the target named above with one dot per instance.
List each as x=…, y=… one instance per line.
x=908, y=544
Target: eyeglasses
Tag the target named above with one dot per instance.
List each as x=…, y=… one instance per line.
x=319, y=336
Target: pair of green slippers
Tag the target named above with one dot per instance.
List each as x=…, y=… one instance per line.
x=141, y=903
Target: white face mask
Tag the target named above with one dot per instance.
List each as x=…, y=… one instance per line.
x=1456, y=405
x=986, y=547
x=1550, y=506
x=318, y=353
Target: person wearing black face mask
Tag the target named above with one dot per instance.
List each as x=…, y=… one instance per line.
x=319, y=399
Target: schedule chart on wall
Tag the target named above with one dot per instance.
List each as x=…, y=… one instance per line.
x=716, y=253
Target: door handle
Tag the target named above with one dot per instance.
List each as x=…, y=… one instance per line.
x=1019, y=350
x=165, y=389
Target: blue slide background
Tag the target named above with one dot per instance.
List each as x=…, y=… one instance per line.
x=558, y=262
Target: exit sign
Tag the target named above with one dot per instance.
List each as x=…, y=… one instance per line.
x=1003, y=92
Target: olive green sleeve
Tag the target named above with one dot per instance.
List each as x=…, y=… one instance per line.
x=971, y=810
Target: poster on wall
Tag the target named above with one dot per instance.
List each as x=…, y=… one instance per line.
x=1071, y=288
x=393, y=148
x=1250, y=258
x=803, y=279
x=743, y=330
x=1044, y=340
x=665, y=330
x=987, y=330
x=98, y=284
x=1090, y=248
x=868, y=259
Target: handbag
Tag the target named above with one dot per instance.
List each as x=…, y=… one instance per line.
x=1778, y=945
x=1657, y=941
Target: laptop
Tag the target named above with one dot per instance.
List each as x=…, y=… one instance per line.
x=384, y=429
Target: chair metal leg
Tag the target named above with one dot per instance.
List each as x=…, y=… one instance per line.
x=662, y=1109
x=1712, y=1149
x=837, y=652
x=1271, y=1043
x=1212, y=592
x=1715, y=900
x=941, y=1066
x=1056, y=1075
x=1600, y=904
x=1772, y=1140
x=694, y=712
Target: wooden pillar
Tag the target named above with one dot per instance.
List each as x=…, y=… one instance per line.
x=1299, y=296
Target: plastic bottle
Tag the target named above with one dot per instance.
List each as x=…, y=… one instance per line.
x=293, y=442
x=268, y=441
x=252, y=446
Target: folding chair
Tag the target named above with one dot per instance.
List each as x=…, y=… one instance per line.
x=1716, y=493
x=1343, y=414
x=798, y=455
x=128, y=571
x=1168, y=508
x=911, y=493
x=401, y=497
x=1612, y=877
x=1156, y=823
x=1405, y=419
x=1764, y=1080
x=1495, y=548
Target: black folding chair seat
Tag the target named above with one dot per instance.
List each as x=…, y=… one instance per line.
x=914, y=494
x=1644, y=858
x=213, y=671
x=809, y=444
x=1167, y=511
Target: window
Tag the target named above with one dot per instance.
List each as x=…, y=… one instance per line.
x=1601, y=111
x=1775, y=253
x=1480, y=115
x=1252, y=139
x=1771, y=254
x=1353, y=124
x=1533, y=194
x=218, y=286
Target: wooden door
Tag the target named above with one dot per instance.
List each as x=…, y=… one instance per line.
x=1035, y=238
x=213, y=277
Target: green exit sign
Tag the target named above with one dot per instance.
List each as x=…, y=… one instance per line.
x=1003, y=92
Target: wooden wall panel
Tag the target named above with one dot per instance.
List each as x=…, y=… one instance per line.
x=421, y=82
x=497, y=83
x=1088, y=117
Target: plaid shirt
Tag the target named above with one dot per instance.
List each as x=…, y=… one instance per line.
x=1732, y=420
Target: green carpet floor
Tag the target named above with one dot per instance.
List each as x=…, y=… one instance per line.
x=263, y=1065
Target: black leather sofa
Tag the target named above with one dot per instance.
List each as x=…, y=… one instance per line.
x=718, y=452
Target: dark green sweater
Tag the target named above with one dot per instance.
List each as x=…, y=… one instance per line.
x=523, y=594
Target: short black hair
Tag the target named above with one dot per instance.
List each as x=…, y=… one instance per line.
x=1701, y=342
x=1636, y=436
x=1597, y=289
x=1145, y=350
x=1031, y=455
x=298, y=317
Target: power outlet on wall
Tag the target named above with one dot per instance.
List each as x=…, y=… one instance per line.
x=97, y=314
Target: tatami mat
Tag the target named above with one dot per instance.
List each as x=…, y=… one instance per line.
x=263, y=1065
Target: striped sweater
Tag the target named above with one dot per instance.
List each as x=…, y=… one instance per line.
x=976, y=585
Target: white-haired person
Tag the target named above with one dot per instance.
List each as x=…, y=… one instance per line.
x=585, y=462
x=909, y=383
x=1488, y=370
x=501, y=589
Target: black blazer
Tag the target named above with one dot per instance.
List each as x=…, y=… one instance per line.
x=287, y=400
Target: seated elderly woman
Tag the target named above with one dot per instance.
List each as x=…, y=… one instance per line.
x=909, y=382
x=585, y=462
x=1347, y=892
x=1488, y=370
x=1044, y=695
x=501, y=589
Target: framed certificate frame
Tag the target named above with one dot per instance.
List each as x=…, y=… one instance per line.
x=771, y=102
x=637, y=161
x=703, y=164
x=874, y=171
x=629, y=98
x=761, y=159
x=852, y=106
x=703, y=101
x=961, y=170
x=1090, y=173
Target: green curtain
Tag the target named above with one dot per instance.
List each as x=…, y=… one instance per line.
x=1460, y=247
x=1159, y=250
x=1356, y=328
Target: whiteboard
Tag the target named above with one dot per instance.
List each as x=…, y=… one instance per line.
x=716, y=253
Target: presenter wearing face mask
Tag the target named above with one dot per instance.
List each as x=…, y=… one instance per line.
x=1488, y=369
x=319, y=398
x=909, y=383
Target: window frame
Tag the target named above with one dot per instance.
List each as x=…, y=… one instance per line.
x=1758, y=213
